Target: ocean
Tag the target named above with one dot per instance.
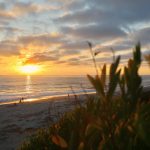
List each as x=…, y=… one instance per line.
x=13, y=88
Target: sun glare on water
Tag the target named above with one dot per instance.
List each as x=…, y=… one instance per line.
x=29, y=69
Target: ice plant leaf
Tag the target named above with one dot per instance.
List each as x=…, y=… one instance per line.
x=58, y=140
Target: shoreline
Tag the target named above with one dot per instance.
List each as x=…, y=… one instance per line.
x=52, y=97
x=44, y=98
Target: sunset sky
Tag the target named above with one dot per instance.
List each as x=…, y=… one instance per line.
x=53, y=34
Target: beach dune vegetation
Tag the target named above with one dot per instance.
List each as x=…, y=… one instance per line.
x=107, y=121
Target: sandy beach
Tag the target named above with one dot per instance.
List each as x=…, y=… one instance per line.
x=18, y=121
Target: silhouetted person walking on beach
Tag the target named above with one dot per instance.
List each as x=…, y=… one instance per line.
x=21, y=99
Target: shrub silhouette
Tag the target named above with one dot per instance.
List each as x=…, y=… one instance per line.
x=106, y=121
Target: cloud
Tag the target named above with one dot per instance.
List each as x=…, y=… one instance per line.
x=74, y=45
x=9, y=29
x=107, y=23
x=70, y=52
x=143, y=35
x=41, y=57
x=21, y=8
x=81, y=17
x=5, y=16
x=117, y=12
x=95, y=32
x=104, y=20
x=123, y=12
x=75, y=61
x=73, y=48
x=41, y=40
x=75, y=5
x=60, y=62
x=9, y=48
x=127, y=9
x=9, y=32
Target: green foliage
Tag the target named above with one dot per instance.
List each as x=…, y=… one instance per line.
x=106, y=122
x=133, y=80
x=40, y=141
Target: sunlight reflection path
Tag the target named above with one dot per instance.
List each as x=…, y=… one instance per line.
x=28, y=84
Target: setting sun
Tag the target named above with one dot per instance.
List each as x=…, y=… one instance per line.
x=29, y=69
